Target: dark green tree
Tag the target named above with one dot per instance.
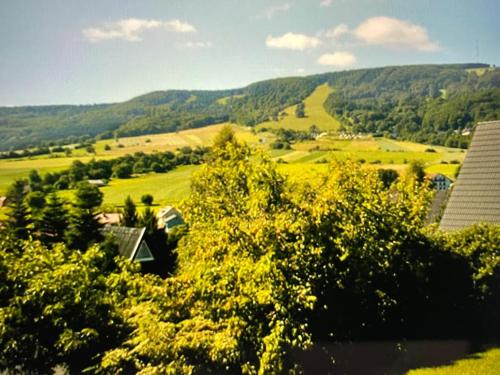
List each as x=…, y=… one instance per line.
x=147, y=199
x=77, y=171
x=300, y=110
x=129, y=213
x=53, y=221
x=416, y=169
x=18, y=216
x=163, y=250
x=387, y=176
x=83, y=227
x=122, y=170
x=35, y=181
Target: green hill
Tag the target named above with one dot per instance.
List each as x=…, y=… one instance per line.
x=424, y=103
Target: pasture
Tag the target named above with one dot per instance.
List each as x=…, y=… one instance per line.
x=314, y=114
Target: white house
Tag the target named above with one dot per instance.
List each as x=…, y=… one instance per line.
x=169, y=218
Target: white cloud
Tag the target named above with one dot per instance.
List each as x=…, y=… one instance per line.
x=198, y=44
x=271, y=11
x=337, y=32
x=395, y=33
x=325, y=3
x=338, y=59
x=179, y=26
x=297, y=42
x=130, y=29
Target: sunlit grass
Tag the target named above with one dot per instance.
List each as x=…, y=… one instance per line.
x=485, y=363
x=314, y=111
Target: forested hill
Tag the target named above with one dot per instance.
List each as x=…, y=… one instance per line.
x=426, y=103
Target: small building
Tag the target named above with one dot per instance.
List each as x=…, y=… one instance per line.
x=440, y=181
x=169, y=218
x=106, y=218
x=131, y=243
x=98, y=183
x=475, y=197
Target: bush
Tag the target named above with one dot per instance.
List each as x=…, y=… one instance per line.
x=122, y=170
x=147, y=199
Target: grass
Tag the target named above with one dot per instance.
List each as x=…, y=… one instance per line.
x=11, y=169
x=485, y=363
x=314, y=111
x=447, y=169
x=226, y=99
x=166, y=188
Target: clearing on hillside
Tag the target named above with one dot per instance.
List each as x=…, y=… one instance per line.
x=315, y=114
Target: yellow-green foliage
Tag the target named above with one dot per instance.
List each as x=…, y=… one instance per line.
x=485, y=363
x=314, y=114
x=255, y=253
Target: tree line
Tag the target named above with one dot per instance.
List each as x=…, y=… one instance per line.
x=424, y=103
x=122, y=167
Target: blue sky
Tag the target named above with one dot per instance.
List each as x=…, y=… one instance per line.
x=94, y=51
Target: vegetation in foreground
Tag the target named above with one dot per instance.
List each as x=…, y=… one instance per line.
x=484, y=363
x=268, y=266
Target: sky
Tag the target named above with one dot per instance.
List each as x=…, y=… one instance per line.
x=102, y=51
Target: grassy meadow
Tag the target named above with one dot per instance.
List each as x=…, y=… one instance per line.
x=314, y=114
x=301, y=162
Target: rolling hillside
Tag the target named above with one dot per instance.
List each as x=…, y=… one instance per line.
x=315, y=114
x=426, y=103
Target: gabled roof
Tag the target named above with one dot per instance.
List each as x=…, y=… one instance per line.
x=166, y=212
x=433, y=176
x=129, y=241
x=476, y=194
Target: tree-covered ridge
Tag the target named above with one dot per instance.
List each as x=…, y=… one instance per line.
x=425, y=103
x=430, y=104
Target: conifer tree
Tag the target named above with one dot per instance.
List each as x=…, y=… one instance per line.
x=53, y=222
x=129, y=213
x=83, y=226
x=18, y=217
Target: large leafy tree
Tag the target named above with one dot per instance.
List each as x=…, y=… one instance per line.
x=244, y=278
x=59, y=306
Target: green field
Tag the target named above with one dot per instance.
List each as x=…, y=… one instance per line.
x=11, y=169
x=314, y=114
x=301, y=162
x=377, y=152
x=166, y=188
x=485, y=363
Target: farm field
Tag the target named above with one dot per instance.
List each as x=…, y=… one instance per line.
x=11, y=169
x=379, y=152
x=485, y=363
x=166, y=188
x=314, y=114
